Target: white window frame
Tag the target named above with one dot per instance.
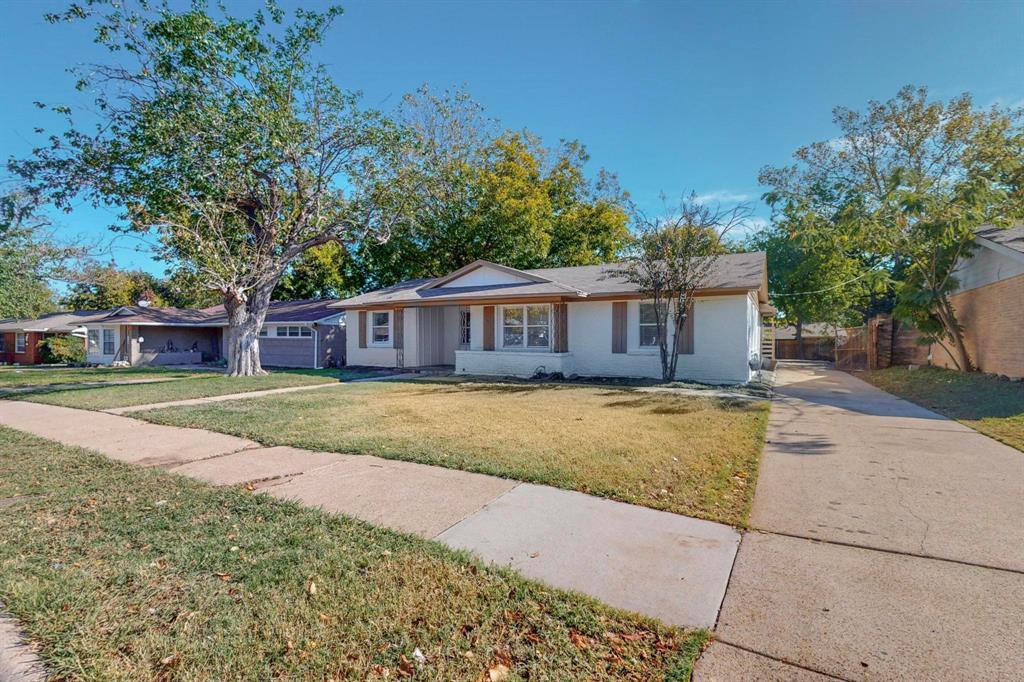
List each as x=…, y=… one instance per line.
x=263, y=333
x=640, y=324
x=20, y=342
x=113, y=340
x=370, y=318
x=465, y=327
x=93, y=340
x=525, y=346
x=290, y=328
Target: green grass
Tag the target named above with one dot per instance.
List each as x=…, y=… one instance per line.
x=981, y=401
x=686, y=454
x=198, y=386
x=121, y=573
x=18, y=377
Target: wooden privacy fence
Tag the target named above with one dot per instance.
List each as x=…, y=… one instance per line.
x=814, y=348
x=879, y=344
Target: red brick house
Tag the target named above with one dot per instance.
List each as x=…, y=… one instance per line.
x=19, y=339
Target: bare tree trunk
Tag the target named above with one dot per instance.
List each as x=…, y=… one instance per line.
x=799, y=339
x=948, y=318
x=245, y=319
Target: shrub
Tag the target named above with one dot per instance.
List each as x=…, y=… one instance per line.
x=62, y=350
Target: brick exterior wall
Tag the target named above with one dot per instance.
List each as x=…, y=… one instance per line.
x=993, y=320
x=31, y=354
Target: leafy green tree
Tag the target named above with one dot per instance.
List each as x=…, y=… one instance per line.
x=28, y=257
x=495, y=195
x=907, y=183
x=811, y=281
x=322, y=272
x=100, y=287
x=220, y=136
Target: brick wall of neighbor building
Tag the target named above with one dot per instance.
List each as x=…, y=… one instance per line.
x=31, y=354
x=993, y=317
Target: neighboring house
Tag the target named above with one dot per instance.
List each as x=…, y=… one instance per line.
x=19, y=339
x=488, y=319
x=989, y=303
x=295, y=334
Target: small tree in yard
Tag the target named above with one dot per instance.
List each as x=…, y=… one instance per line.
x=671, y=258
x=222, y=137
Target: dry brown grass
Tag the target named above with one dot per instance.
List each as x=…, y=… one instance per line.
x=690, y=455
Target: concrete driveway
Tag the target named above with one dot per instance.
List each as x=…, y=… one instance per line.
x=889, y=545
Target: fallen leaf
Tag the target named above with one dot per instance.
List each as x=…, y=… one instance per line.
x=405, y=667
x=498, y=673
x=312, y=588
x=580, y=640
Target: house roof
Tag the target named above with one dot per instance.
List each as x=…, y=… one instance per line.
x=1009, y=237
x=731, y=272
x=58, y=323
x=63, y=323
x=308, y=310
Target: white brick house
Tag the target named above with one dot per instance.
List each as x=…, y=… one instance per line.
x=488, y=319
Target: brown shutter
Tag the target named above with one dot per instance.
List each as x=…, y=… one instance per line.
x=684, y=342
x=561, y=338
x=398, y=328
x=619, y=327
x=362, y=329
x=488, y=327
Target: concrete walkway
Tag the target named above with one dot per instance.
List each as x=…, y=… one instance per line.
x=664, y=565
x=889, y=546
x=219, y=398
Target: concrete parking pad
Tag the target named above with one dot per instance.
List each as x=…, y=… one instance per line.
x=120, y=438
x=258, y=465
x=725, y=663
x=410, y=497
x=665, y=565
x=848, y=462
x=868, y=615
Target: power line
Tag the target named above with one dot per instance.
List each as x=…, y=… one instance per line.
x=831, y=288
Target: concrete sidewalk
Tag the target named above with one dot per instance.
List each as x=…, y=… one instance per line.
x=663, y=565
x=220, y=398
x=890, y=545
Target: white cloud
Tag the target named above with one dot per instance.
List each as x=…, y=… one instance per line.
x=723, y=196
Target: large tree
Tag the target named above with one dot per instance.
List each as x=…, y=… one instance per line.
x=223, y=137
x=99, y=287
x=29, y=257
x=907, y=183
x=810, y=280
x=671, y=257
x=494, y=194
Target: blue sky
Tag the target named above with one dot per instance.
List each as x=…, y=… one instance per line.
x=669, y=95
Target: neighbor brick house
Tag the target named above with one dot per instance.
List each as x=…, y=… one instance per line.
x=489, y=319
x=19, y=339
x=989, y=303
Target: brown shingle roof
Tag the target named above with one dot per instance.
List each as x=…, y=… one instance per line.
x=739, y=271
x=56, y=323
x=1010, y=237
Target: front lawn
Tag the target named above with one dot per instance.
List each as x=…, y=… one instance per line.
x=983, y=402
x=21, y=376
x=203, y=385
x=125, y=573
x=691, y=455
